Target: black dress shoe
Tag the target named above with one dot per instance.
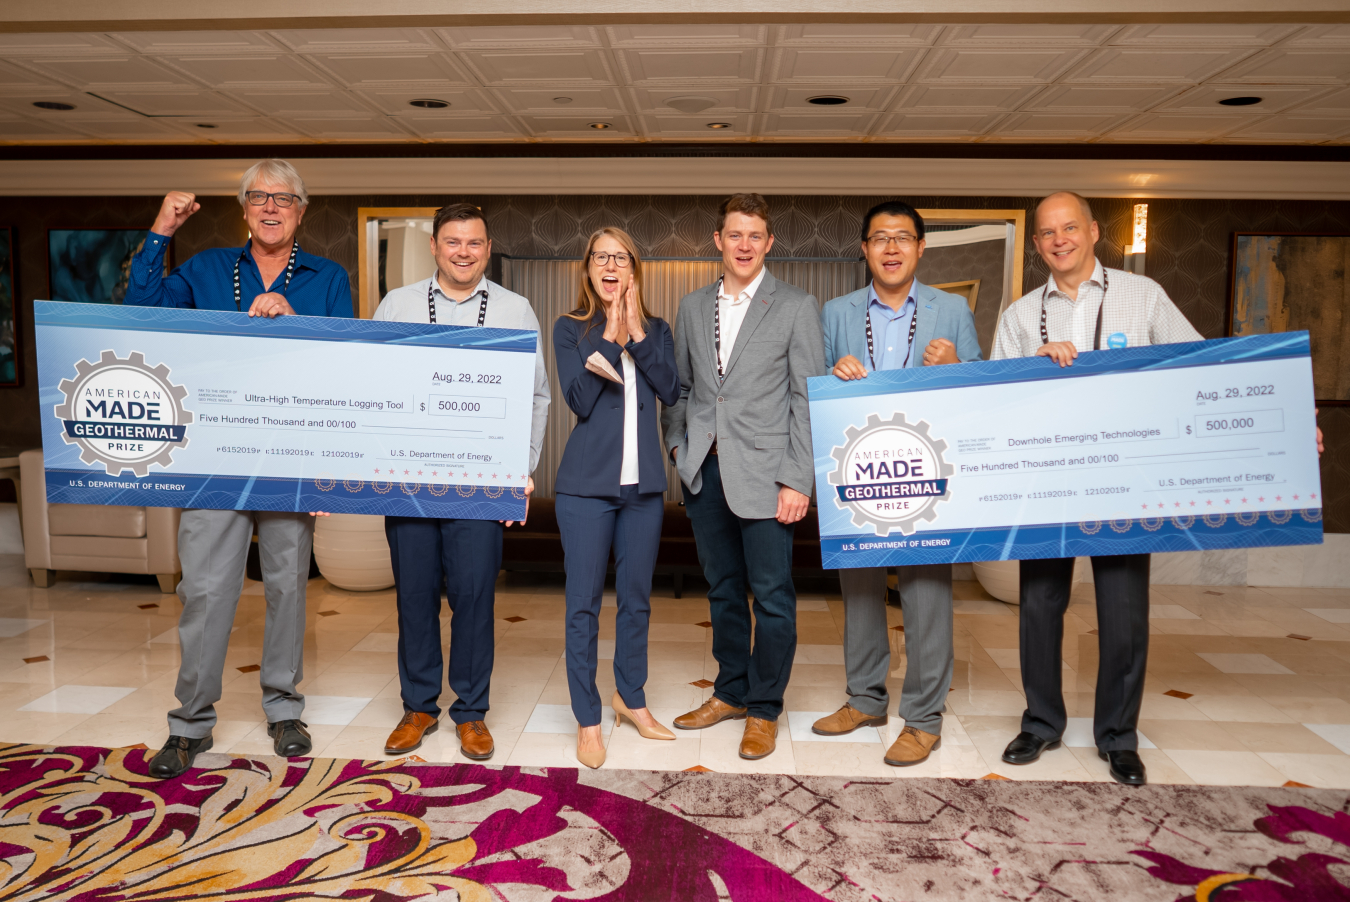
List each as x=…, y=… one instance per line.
x=290, y=739
x=1126, y=767
x=177, y=756
x=1027, y=747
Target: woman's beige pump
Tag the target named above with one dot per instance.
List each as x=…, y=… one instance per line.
x=621, y=711
x=591, y=759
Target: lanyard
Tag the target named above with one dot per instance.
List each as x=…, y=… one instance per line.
x=290, y=271
x=717, y=331
x=431, y=303
x=1097, y=338
x=913, y=325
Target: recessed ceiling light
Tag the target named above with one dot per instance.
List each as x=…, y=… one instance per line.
x=599, y=126
x=719, y=125
x=691, y=105
x=52, y=105
x=1241, y=101
x=828, y=100
x=429, y=104
x=205, y=125
x=562, y=99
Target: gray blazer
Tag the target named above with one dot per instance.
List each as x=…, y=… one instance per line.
x=941, y=315
x=758, y=416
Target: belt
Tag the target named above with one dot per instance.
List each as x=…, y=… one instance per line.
x=713, y=449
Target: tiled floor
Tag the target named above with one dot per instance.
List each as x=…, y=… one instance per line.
x=1230, y=698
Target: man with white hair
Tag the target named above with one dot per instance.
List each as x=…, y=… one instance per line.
x=269, y=276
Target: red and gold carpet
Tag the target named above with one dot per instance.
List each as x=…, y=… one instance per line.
x=88, y=824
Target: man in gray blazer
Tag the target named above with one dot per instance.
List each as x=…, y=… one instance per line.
x=740, y=436
x=896, y=322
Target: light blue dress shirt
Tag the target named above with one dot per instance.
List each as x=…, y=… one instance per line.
x=890, y=331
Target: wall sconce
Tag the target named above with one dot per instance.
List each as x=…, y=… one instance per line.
x=1134, y=253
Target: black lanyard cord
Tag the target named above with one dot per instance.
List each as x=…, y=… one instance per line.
x=431, y=303
x=290, y=271
x=913, y=326
x=1045, y=335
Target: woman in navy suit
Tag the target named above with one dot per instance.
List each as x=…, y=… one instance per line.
x=615, y=360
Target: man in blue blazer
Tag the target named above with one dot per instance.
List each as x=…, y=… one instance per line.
x=895, y=322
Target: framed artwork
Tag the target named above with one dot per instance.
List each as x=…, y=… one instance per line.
x=10, y=371
x=92, y=266
x=1284, y=282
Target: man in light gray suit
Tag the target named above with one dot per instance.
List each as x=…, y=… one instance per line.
x=896, y=322
x=740, y=436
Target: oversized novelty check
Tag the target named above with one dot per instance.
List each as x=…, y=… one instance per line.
x=1166, y=448
x=209, y=409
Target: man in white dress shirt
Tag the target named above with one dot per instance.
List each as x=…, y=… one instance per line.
x=465, y=554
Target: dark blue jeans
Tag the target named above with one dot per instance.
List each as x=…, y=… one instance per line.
x=631, y=524
x=737, y=554
x=466, y=555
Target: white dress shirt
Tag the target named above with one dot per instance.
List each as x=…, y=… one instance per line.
x=731, y=313
x=628, y=469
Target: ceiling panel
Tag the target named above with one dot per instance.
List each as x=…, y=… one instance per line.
x=1046, y=35
x=395, y=100
x=1205, y=98
x=794, y=98
x=579, y=127
x=379, y=128
x=292, y=103
x=690, y=66
x=1031, y=65
x=190, y=104
x=966, y=98
x=169, y=43
x=859, y=65
x=1171, y=65
x=277, y=71
x=360, y=40
x=64, y=44
x=1294, y=128
x=1058, y=125
x=21, y=102
x=505, y=68
x=693, y=36
x=1102, y=98
x=1281, y=65
x=909, y=124
x=1337, y=102
x=872, y=34
x=462, y=128
x=1164, y=127
x=1322, y=36
x=697, y=126
x=136, y=129
x=820, y=125
x=248, y=130
x=1209, y=34
x=519, y=37
x=24, y=130
x=19, y=78
x=393, y=68
x=560, y=101
x=105, y=72
x=721, y=99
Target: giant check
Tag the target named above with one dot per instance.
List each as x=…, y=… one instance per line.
x=209, y=409
x=1165, y=448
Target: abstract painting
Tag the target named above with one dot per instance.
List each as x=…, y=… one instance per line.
x=1288, y=282
x=9, y=328
x=92, y=266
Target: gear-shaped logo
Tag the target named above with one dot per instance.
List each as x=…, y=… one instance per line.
x=891, y=474
x=124, y=413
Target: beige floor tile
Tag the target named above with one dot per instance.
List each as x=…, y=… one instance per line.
x=1251, y=628
x=1157, y=706
x=723, y=755
x=545, y=750
x=986, y=702
x=1316, y=710
x=1171, y=735
x=114, y=730
x=1279, y=737
x=381, y=713
x=37, y=726
x=1238, y=708
x=1323, y=771
x=257, y=742
x=362, y=685
x=1227, y=768
x=627, y=750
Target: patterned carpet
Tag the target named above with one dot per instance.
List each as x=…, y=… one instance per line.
x=87, y=824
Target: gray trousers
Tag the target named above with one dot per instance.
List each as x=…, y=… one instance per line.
x=926, y=597
x=213, y=547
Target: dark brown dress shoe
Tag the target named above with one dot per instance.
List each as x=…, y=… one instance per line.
x=290, y=739
x=177, y=756
x=407, y=736
x=474, y=740
x=713, y=711
x=760, y=738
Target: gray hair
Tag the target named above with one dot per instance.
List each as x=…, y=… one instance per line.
x=278, y=172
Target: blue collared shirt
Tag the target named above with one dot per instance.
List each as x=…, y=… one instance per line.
x=319, y=287
x=890, y=330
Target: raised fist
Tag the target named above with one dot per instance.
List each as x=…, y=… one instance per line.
x=177, y=207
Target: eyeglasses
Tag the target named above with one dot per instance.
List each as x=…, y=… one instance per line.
x=903, y=240
x=620, y=260
x=258, y=198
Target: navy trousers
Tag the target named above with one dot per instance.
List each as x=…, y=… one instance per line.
x=736, y=554
x=466, y=555
x=631, y=524
x=1122, y=642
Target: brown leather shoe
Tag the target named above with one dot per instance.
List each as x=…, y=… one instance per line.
x=911, y=747
x=407, y=736
x=845, y=720
x=760, y=738
x=474, y=740
x=713, y=711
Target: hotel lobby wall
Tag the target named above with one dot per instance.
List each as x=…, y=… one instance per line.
x=1188, y=253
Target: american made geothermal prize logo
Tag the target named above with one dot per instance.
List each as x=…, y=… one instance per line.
x=891, y=474
x=123, y=414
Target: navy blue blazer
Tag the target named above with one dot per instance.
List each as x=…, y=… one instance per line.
x=594, y=454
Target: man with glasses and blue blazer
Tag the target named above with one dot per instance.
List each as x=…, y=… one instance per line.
x=896, y=322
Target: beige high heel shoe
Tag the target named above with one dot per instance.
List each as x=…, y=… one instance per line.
x=591, y=759
x=621, y=711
